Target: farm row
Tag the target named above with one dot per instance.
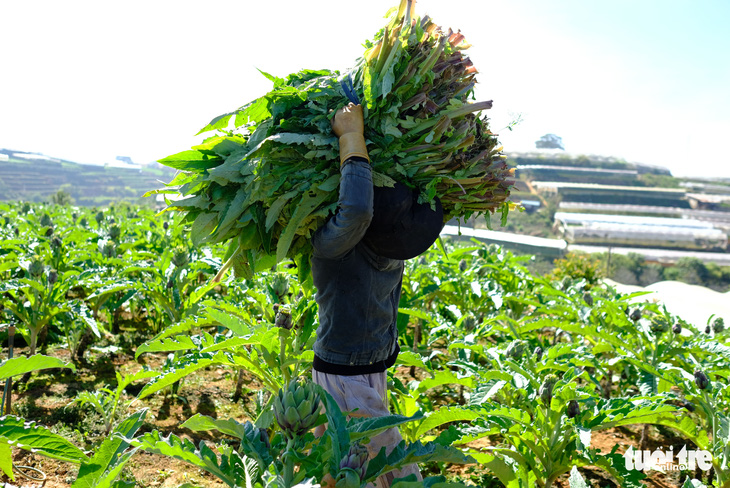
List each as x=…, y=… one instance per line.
x=506, y=374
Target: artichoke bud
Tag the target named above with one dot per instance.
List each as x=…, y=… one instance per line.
x=108, y=250
x=469, y=323
x=115, y=231
x=573, y=409
x=181, y=257
x=565, y=283
x=515, y=350
x=52, y=276
x=99, y=217
x=16, y=231
x=588, y=299
x=688, y=405
x=283, y=317
x=718, y=325
x=36, y=267
x=56, y=242
x=25, y=209
x=538, y=353
x=280, y=284
x=170, y=283
x=701, y=380
x=546, y=389
x=659, y=325
x=49, y=232
x=462, y=265
x=296, y=409
x=46, y=221
x=74, y=216
x=83, y=222
x=165, y=225
x=348, y=478
x=635, y=315
x=264, y=438
x=707, y=330
x=356, y=459
x=677, y=328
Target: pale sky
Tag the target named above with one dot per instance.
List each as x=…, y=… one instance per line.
x=643, y=80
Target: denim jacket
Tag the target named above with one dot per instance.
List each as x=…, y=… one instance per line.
x=357, y=290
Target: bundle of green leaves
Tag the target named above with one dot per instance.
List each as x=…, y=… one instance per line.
x=269, y=176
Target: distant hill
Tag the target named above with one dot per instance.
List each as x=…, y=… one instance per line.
x=35, y=177
x=561, y=158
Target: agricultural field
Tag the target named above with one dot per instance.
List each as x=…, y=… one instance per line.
x=128, y=366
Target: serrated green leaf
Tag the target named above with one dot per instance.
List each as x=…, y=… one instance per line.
x=39, y=439
x=21, y=365
x=109, y=459
x=6, y=458
x=191, y=160
x=182, y=368
x=443, y=416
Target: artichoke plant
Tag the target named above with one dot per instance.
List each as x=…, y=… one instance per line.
x=296, y=408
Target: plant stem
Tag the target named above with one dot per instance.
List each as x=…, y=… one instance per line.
x=288, y=464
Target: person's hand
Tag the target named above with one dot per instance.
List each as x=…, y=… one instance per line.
x=348, y=125
x=348, y=119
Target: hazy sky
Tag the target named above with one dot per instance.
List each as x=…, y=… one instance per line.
x=647, y=80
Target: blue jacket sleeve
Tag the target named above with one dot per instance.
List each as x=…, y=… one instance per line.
x=346, y=228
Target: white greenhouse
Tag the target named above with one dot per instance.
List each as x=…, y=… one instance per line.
x=624, y=230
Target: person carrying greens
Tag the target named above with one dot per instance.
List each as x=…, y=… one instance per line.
x=357, y=268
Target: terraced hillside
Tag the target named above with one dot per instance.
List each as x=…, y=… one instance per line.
x=34, y=177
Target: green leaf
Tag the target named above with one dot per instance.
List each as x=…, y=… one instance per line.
x=273, y=213
x=360, y=427
x=39, y=439
x=305, y=206
x=21, y=365
x=191, y=160
x=203, y=227
x=441, y=378
x=178, y=343
x=220, y=122
x=251, y=438
x=109, y=459
x=430, y=482
x=202, y=423
x=415, y=453
x=443, y=416
x=203, y=457
x=509, y=474
x=183, y=368
x=6, y=459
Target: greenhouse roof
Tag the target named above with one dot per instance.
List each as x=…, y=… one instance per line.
x=574, y=218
